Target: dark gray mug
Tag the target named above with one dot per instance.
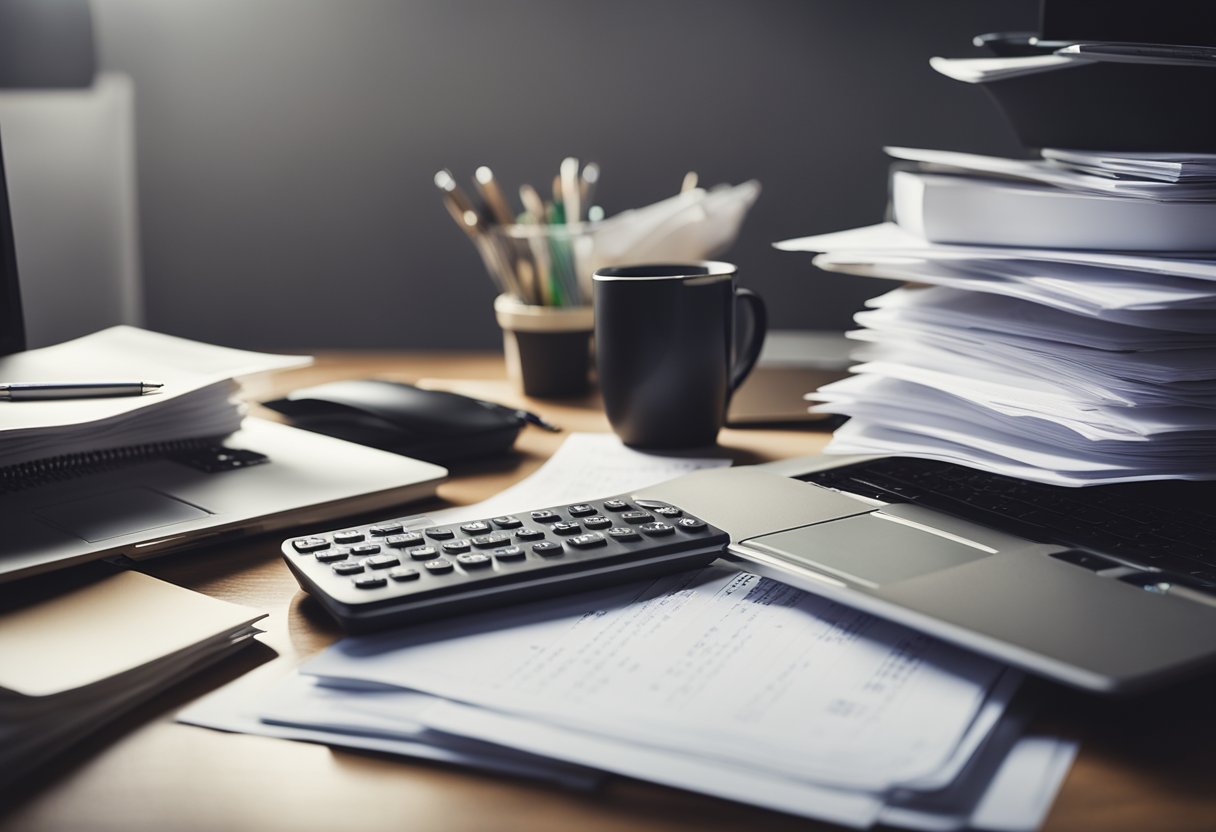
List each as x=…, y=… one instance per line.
x=666, y=349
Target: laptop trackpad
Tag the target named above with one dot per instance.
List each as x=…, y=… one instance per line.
x=120, y=512
x=871, y=549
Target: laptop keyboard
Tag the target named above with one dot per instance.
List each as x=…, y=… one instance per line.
x=1169, y=526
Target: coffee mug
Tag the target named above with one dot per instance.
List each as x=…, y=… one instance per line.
x=666, y=349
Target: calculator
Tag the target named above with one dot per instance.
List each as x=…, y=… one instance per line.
x=387, y=574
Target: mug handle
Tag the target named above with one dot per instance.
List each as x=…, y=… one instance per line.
x=757, y=327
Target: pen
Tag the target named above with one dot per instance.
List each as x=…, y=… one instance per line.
x=491, y=194
x=36, y=390
x=1142, y=53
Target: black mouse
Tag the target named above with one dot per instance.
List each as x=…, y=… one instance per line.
x=425, y=424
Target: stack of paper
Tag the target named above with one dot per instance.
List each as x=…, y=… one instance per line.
x=715, y=681
x=1163, y=167
x=77, y=660
x=196, y=400
x=1066, y=366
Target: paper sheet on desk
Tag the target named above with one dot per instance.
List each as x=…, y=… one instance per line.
x=237, y=708
x=587, y=466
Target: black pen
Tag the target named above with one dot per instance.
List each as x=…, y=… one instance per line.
x=38, y=390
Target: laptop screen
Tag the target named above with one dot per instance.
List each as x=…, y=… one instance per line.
x=12, y=323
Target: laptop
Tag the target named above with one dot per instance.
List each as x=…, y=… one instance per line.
x=263, y=478
x=1107, y=588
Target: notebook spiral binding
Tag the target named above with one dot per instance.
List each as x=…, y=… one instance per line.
x=57, y=468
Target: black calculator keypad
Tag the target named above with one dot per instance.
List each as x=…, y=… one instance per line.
x=387, y=574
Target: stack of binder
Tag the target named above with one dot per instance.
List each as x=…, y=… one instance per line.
x=1061, y=325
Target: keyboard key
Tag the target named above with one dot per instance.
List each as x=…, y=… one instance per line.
x=455, y=547
x=509, y=553
x=385, y=529
x=667, y=511
x=440, y=534
x=383, y=561
x=690, y=524
x=624, y=534
x=440, y=566
x=423, y=553
x=489, y=541
x=404, y=573
x=333, y=555
x=588, y=540
x=567, y=527
x=370, y=581
x=637, y=517
x=581, y=510
x=310, y=544
x=351, y=536
x=364, y=549
x=529, y=534
x=475, y=527
x=599, y=521
x=546, y=516
x=474, y=560
x=616, y=505
x=656, y=529
x=506, y=522
x=402, y=541
x=548, y=548
x=350, y=568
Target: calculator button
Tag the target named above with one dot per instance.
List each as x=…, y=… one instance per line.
x=581, y=510
x=529, y=534
x=329, y=557
x=511, y=552
x=507, y=522
x=440, y=534
x=310, y=544
x=474, y=560
x=348, y=568
x=690, y=524
x=385, y=528
x=637, y=517
x=370, y=581
x=623, y=534
x=616, y=505
x=489, y=541
x=423, y=553
x=548, y=548
x=567, y=527
x=348, y=537
x=383, y=561
x=455, y=547
x=599, y=521
x=404, y=573
x=588, y=540
x=401, y=541
x=657, y=529
x=667, y=511
x=546, y=516
x=476, y=527
x=439, y=566
x=365, y=549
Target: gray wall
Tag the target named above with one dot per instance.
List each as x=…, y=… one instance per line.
x=286, y=147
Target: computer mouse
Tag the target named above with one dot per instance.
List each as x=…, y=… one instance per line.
x=432, y=425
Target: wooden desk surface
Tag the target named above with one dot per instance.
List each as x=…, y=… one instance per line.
x=1145, y=764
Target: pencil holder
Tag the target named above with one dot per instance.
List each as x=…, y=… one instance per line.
x=548, y=348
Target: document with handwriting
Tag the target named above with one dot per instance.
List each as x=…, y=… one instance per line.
x=716, y=662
